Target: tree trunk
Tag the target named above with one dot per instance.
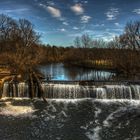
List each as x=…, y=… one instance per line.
x=40, y=89
x=31, y=85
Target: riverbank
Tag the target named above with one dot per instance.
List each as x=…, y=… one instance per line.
x=94, y=64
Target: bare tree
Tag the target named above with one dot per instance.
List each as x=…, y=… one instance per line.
x=7, y=27
x=115, y=43
x=131, y=37
x=99, y=43
x=77, y=42
x=26, y=33
x=86, y=41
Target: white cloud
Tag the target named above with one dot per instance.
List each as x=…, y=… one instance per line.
x=98, y=25
x=77, y=9
x=90, y=32
x=62, y=19
x=85, y=1
x=137, y=11
x=117, y=24
x=14, y=10
x=112, y=13
x=75, y=1
x=65, y=23
x=106, y=36
x=50, y=3
x=53, y=11
x=74, y=35
x=118, y=30
x=115, y=30
x=85, y=19
x=75, y=28
x=62, y=30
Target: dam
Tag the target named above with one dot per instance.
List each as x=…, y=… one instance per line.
x=74, y=90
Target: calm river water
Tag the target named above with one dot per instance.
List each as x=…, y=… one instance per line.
x=70, y=73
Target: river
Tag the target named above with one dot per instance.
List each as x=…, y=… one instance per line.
x=59, y=71
x=72, y=111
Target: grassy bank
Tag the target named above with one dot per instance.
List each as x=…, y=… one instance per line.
x=95, y=64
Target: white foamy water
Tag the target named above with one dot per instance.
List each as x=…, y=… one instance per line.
x=10, y=109
x=72, y=91
x=84, y=119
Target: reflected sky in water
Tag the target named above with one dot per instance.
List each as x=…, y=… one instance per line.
x=70, y=73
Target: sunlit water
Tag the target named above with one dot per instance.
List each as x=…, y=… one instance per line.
x=72, y=119
x=60, y=72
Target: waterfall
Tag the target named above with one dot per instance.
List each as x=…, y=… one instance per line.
x=65, y=91
x=75, y=91
x=22, y=89
x=15, y=90
x=5, y=90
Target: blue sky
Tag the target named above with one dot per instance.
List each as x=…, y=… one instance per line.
x=60, y=21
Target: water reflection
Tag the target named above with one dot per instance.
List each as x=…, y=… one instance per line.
x=65, y=73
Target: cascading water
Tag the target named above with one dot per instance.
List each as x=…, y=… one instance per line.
x=22, y=89
x=15, y=90
x=75, y=91
x=70, y=119
x=104, y=113
x=65, y=91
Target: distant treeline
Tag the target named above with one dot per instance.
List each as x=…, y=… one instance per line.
x=20, y=47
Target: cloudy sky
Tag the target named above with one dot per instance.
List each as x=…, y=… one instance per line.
x=60, y=21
